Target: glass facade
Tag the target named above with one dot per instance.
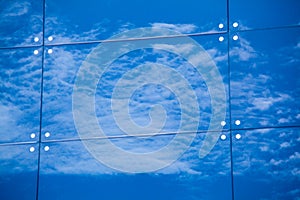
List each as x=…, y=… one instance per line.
x=139, y=99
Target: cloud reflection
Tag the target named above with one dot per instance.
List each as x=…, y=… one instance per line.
x=20, y=72
x=269, y=157
x=20, y=22
x=262, y=79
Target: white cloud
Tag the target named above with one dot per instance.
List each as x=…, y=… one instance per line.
x=282, y=135
x=244, y=27
x=243, y=52
x=250, y=93
x=180, y=48
x=298, y=45
x=296, y=172
x=10, y=115
x=64, y=35
x=17, y=159
x=295, y=156
x=285, y=145
x=181, y=28
x=283, y=120
x=16, y=9
x=264, y=148
x=264, y=103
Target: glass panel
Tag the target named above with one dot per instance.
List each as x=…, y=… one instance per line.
x=265, y=86
x=21, y=23
x=20, y=75
x=93, y=20
x=60, y=68
x=18, y=171
x=136, y=87
x=153, y=173
x=266, y=164
x=268, y=13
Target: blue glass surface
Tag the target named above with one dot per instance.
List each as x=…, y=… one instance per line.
x=70, y=21
x=140, y=99
x=264, y=14
x=18, y=171
x=20, y=95
x=265, y=86
x=20, y=22
x=71, y=168
x=266, y=164
x=62, y=69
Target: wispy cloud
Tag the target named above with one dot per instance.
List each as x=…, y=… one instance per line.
x=20, y=23
x=266, y=156
x=15, y=9
x=180, y=28
x=264, y=103
x=257, y=90
x=73, y=158
x=63, y=32
x=244, y=51
x=16, y=159
x=20, y=74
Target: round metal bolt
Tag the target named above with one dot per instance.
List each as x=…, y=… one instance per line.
x=32, y=135
x=50, y=38
x=235, y=24
x=47, y=134
x=46, y=148
x=221, y=38
x=238, y=136
x=223, y=137
x=223, y=123
x=36, y=39
x=31, y=149
x=237, y=122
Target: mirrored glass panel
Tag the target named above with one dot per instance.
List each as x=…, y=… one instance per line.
x=74, y=21
x=266, y=163
x=20, y=95
x=136, y=87
x=60, y=68
x=18, y=171
x=265, y=86
x=157, y=167
x=245, y=15
x=21, y=23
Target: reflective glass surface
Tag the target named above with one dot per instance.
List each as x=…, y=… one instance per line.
x=18, y=171
x=265, y=88
x=70, y=21
x=21, y=23
x=266, y=164
x=147, y=89
x=20, y=96
x=60, y=68
x=140, y=99
x=81, y=174
x=264, y=14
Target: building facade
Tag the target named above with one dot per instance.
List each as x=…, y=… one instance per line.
x=132, y=99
